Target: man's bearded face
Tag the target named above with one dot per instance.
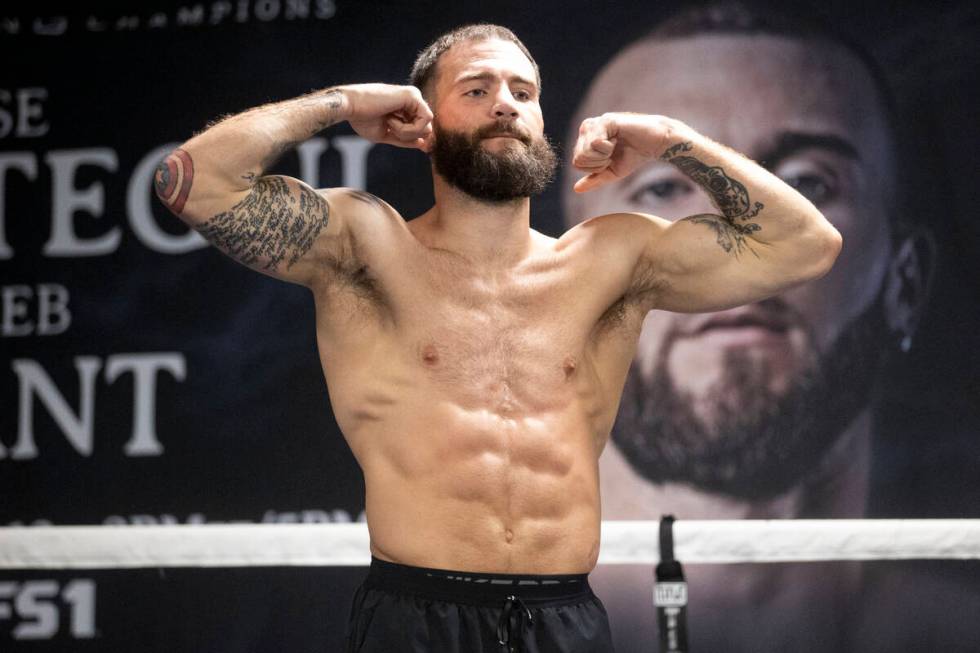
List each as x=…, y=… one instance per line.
x=521, y=169
x=746, y=439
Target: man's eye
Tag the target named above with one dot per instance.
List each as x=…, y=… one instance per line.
x=476, y=92
x=522, y=95
x=659, y=192
x=813, y=187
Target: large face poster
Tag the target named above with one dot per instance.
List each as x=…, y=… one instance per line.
x=148, y=379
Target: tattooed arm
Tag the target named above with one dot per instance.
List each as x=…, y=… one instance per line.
x=276, y=224
x=763, y=238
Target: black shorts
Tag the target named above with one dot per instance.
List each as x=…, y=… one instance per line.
x=400, y=608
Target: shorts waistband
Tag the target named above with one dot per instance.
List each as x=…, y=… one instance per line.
x=490, y=589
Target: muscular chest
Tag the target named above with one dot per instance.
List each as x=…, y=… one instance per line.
x=521, y=342
x=511, y=344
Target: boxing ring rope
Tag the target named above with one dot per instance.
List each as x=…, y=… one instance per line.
x=623, y=542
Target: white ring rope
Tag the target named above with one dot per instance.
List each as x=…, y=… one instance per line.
x=623, y=542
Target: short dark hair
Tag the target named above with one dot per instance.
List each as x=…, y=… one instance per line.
x=424, y=70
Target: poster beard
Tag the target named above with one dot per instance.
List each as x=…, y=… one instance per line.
x=520, y=170
x=758, y=443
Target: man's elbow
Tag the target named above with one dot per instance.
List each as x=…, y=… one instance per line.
x=188, y=187
x=172, y=181
x=826, y=247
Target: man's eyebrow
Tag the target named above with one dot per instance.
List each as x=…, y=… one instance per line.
x=488, y=76
x=789, y=143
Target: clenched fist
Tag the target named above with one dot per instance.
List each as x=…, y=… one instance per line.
x=384, y=113
x=613, y=145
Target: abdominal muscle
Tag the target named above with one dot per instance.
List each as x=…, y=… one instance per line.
x=484, y=488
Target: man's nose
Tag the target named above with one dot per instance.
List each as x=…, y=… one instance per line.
x=505, y=106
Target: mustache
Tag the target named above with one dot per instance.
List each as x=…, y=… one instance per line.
x=503, y=128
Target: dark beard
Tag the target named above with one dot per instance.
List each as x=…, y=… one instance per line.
x=760, y=444
x=512, y=173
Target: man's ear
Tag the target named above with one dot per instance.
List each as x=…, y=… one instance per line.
x=910, y=275
x=428, y=142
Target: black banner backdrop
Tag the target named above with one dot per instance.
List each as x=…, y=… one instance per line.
x=147, y=379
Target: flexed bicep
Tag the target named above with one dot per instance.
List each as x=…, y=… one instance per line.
x=216, y=182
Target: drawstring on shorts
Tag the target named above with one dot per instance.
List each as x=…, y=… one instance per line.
x=508, y=637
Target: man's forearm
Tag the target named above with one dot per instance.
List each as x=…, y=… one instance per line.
x=229, y=156
x=754, y=206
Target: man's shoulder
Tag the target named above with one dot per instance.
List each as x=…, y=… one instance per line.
x=619, y=232
x=355, y=200
x=611, y=223
x=371, y=225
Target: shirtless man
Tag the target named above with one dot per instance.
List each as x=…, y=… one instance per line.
x=474, y=365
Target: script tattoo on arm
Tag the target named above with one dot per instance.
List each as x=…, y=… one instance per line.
x=728, y=194
x=173, y=178
x=271, y=227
